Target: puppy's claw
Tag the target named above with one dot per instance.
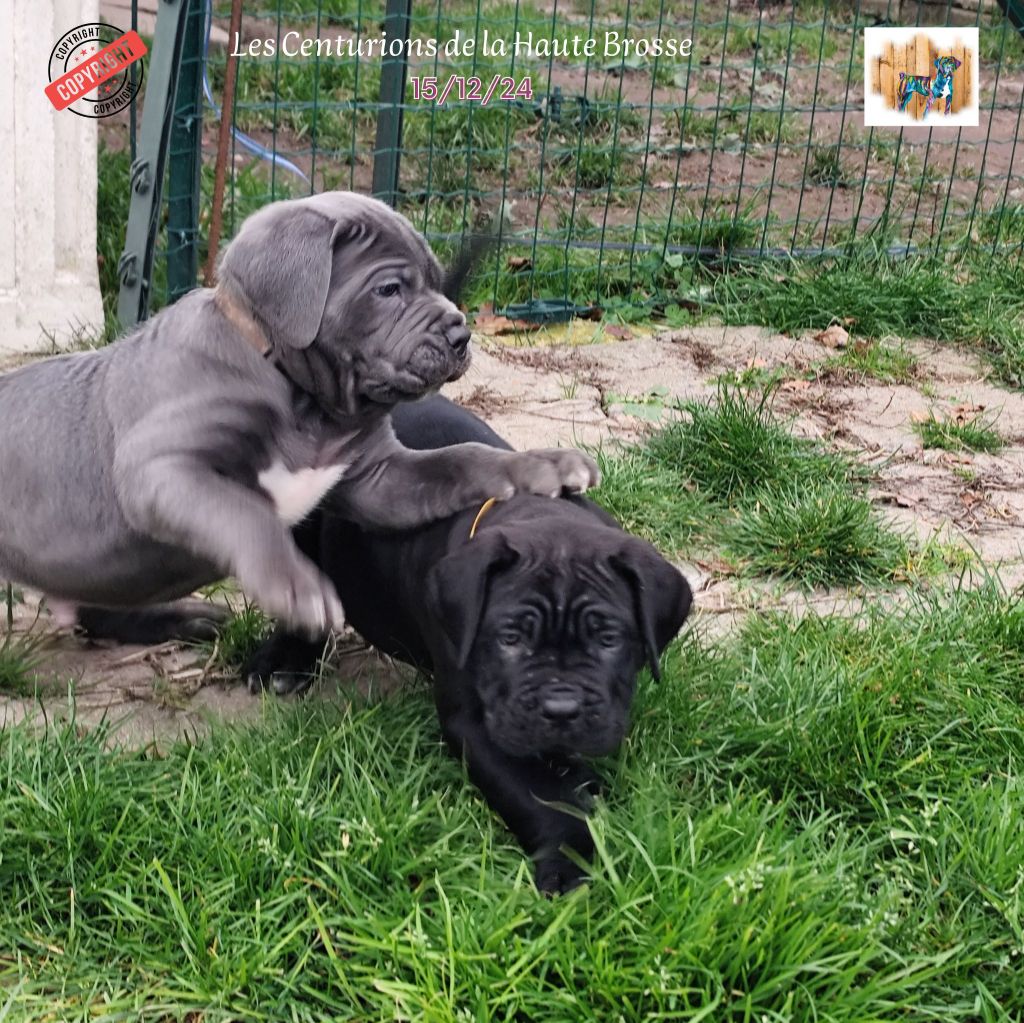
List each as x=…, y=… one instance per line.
x=554, y=471
x=583, y=477
x=556, y=874
x=281, y=683
x=291, y=683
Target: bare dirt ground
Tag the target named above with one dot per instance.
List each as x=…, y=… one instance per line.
x=565, y=388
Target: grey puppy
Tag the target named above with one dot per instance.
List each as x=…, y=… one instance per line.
x=183, y=453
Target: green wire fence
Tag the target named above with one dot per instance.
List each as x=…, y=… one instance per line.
x=614, y=172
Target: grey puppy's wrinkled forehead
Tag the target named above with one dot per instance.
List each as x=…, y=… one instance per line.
x=280, y=262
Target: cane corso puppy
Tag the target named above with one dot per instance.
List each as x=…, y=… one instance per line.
x=186, y=451
x=534, y=617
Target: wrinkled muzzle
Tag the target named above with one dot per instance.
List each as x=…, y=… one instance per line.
x=426, y=347
x=565, y=715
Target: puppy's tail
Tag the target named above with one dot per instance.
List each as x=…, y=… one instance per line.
x=474, y=249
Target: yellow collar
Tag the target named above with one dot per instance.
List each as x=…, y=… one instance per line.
x=484, y=509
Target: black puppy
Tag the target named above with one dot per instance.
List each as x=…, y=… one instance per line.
x=534, y=617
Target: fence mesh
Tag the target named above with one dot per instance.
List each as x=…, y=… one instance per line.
x=615, y=172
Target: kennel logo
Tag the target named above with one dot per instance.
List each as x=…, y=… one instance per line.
x=88, y=70
x=925, y=77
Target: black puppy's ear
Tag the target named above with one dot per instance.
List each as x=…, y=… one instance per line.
x=661, y=596
x=280, y=263
x=457, y=587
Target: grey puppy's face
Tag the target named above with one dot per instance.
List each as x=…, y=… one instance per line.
x=386, y=307
x=551, y=632
x=350, y=297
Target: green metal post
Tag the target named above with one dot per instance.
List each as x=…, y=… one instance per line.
x=388, y=145
x=136, y=264
x=183, y=187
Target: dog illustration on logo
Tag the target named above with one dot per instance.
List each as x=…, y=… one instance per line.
x=932, y=89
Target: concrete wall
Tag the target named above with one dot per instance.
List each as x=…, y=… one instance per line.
x=48, y=277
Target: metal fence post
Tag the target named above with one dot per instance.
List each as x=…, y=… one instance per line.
x=183, y=175
x=135, y=267
x=388, y=144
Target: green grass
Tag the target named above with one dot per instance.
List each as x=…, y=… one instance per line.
x=974, y=302
x=653, y=499
x=733, y=446
x=826, y=167
x=818, y=535
x=886, y=363
x=959, y=434
x=811, y=820
x=726, y=474
x=20, y=656
x=240, y=636
x=113, y=198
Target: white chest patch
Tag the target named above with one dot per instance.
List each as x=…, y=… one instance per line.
x=296, y=492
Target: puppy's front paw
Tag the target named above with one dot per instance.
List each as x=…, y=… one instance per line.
x=285, y=664
x=556, y=874
x=294, y=590
x=552, y=471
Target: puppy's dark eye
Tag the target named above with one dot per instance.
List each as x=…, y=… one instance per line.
x=509, y=637
x=387, y=290
x=603, y=630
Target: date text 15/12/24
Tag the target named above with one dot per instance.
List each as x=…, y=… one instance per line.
x=461, y=87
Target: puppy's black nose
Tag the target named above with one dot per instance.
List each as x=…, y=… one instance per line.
x=561, y=708
x=456, y=332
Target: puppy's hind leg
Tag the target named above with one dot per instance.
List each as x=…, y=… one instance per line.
x=189, y=621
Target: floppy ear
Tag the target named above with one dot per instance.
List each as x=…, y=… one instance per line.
x=661, y=596
x=280, y=263
x=457, y=587
x=957, y=62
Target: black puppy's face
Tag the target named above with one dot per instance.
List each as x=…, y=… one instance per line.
x=548, y=631
x=556, y=658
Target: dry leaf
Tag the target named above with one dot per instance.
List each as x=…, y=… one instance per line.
x=795, y=385
x=966, y=411
x=756, y=364
x=485, y=323
x=920, y=417
x=900, y=500
x=617, y=331
x=716, y=566
x=519, y=263
x=833, y=337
